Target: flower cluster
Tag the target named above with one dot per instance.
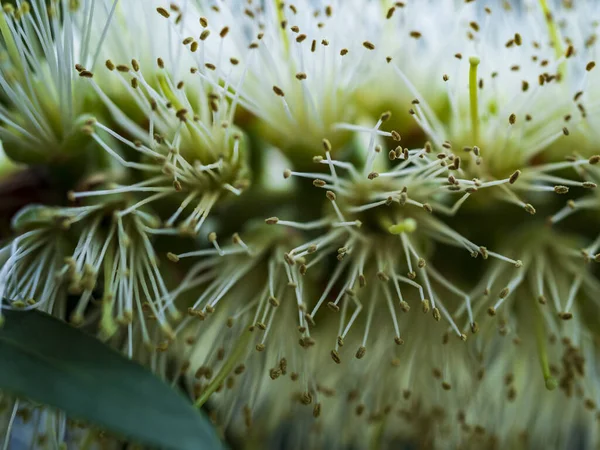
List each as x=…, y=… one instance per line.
x=336, y=223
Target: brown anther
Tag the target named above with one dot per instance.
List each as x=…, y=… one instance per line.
x=260, y=347
x=317, y=410
x=512, y=119
x=362, y=281
x=561, y=189
x=163, y=12
x=368, y=45
x=372, y=175
x=511, y=394
x=360, y=352
x=426, y=306
x=484, y=252
x=335, y=356
x=518, y=40
x=306, y=398
x=491, y=311
x=330, y=195
x=398, y=340
x=385, y=116
x=590, y=66
x=278, y=91
x=271, y=220
x=382, y=276
x=529, y=208
x=289, y=259
x=332, y=306
x=436, y=314
x=514, y=177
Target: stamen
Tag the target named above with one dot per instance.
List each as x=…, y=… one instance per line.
x=473, y=102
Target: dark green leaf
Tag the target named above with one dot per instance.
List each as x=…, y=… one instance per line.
x=50, y=362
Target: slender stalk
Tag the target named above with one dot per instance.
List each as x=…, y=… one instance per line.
x=473, y=103
x=540, y=334
x=281, y=19
x=11, y=46
x=552, y=29
x=239, y=349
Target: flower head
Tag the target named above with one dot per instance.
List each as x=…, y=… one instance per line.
x=317, y=56
x=46, y=102
x=304, y=312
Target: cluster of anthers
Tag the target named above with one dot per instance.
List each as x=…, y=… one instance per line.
x=303, y=328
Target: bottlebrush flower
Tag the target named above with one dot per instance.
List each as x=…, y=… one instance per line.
x=45, y=100
x=501, y=77
x=306, y=324
x=66, y=251
x=376, y=239
x=188, y=145
x=293, y=66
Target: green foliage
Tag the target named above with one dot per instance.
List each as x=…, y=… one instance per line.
x=50, y=362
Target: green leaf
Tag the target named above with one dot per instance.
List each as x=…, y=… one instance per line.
x=48, y=361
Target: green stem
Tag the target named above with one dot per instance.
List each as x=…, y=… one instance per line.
x=108, y=327
x=230, y=363
x=552, y=29
x=554, y=34
x=376, y=441
x=473, y=103
x=540, y=334
x=11, y=46
x=281, y=19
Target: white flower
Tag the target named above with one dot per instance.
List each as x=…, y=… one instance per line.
x=511, y=94
x=45, y=99
x=295, y=67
